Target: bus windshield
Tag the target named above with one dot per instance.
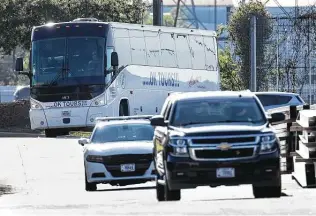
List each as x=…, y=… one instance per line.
x=68, y=61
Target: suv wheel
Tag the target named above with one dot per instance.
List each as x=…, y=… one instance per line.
x=90, y=186
x=160, y=191
x=171, y=195
x=268, y=192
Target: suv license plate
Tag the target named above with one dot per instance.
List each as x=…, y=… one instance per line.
x=127, y=167
x=225, y=173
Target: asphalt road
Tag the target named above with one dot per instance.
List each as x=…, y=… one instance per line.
x=41, y=176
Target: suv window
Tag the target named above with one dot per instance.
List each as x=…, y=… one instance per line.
x=268, y=100
x=208, y=111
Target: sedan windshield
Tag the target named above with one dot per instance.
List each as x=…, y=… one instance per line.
x=121, y=133
x=219, y=110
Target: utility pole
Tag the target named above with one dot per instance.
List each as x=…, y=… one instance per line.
x=253, y=54
x=157, y=12
x=277, y=59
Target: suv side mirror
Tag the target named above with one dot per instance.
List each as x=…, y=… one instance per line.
x=276, y=117
x=83, y=141
x=114, y=59
x=19, y=65
x=158, y=121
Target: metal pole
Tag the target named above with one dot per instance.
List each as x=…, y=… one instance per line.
x=310, y=64
x=253, y=52
x=157, y=13
x=277, y=60
x=161, y=12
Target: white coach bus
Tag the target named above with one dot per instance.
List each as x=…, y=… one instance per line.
x=84, y=69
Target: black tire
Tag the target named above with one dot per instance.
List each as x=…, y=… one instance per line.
x=171, y=195
x=160, y=191
x=90, y=186
x=267, y=192
x=52, y=133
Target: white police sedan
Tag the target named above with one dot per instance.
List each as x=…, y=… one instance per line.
x=119, y=152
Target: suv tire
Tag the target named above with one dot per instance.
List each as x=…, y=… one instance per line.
x=160, y=191
x=171, y=195
x=267, y=192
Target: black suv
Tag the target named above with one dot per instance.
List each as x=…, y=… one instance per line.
x=213, y=139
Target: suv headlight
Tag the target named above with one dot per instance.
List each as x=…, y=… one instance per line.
x=94, y=158
x=268, y=143
x=99, y=101
x=35, y=105
x=180, y=147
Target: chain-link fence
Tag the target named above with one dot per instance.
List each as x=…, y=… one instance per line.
x=288, y=59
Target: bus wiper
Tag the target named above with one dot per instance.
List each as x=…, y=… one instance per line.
x=61, y=72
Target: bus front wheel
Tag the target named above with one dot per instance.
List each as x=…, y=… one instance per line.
x=52, y=133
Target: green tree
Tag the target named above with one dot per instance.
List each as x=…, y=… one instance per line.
x=19, y=16
x=229, y=71
x=168, y=20
x=239, y=33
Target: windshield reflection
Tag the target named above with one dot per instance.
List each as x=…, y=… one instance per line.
x=210, y=111
x=74, y=59
x=126, y=132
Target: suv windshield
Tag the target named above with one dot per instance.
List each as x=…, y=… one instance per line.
x=123, y=132
x=219, y=110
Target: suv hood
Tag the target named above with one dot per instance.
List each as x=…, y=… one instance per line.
x=115, y=148
x=222, y=128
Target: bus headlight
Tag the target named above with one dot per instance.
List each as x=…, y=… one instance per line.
x=180, y=147
x=35, y=105
x=99, y=101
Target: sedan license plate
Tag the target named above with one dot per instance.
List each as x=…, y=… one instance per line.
x=127, y=167
x=65, y=113
x=225, y=173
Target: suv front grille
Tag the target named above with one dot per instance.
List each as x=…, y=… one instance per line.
x=231, y=153
x=223, y=147
x=229, y=140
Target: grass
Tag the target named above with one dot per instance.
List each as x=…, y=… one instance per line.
x=80, y=134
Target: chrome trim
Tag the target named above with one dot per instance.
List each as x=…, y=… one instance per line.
x=193, y=155
x=214, y=146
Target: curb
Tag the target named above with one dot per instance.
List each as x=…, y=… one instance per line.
x=13, y=134
x=32, y=135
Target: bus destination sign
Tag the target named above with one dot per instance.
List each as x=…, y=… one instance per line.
x=57, y=104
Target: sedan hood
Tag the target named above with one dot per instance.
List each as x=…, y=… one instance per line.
x=115, y=148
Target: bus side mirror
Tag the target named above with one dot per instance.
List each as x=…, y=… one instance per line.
x=19, y=65
x=114, y=59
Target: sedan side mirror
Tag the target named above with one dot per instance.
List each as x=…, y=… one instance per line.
x=83, y=141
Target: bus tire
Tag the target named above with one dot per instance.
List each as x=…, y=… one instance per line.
x=52, y=133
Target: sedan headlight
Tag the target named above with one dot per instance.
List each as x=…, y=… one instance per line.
x=99, y=101
x=94, y=158
x=268, y=143
x=180, y=147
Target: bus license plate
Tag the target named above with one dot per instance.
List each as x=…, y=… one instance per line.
x=225, y=173
x=65, y=113
x=127, y=167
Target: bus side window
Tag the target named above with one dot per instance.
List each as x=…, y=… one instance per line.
x=109, y=50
